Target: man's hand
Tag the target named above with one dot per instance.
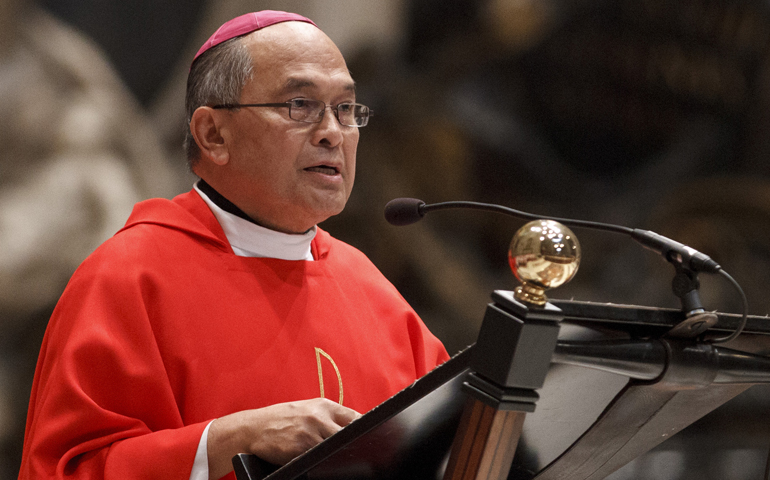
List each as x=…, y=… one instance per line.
x=276, y=433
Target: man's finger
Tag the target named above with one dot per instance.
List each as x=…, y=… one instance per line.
x=342, y=416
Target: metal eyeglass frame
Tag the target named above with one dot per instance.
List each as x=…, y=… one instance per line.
x=292, y=103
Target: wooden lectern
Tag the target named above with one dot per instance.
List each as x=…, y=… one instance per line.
x=464, y=419
x=512, y=357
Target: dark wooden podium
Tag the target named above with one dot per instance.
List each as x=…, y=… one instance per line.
x=471, y=418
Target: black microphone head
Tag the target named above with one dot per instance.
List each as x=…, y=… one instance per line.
x=404, y=211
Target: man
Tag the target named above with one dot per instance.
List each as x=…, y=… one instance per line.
x=225, y=321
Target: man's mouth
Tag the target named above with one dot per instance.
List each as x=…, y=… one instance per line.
x=325, y=169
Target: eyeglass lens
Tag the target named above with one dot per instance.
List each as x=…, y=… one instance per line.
x=350, y=114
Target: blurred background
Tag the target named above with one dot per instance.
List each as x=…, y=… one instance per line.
x=647, y=113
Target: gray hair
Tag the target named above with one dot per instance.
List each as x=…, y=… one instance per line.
x=216, y=77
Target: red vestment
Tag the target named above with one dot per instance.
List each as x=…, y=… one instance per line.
x=163, y=329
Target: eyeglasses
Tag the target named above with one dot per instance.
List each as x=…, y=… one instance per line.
x=312, y=111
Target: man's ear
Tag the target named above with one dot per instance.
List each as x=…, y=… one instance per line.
x=205, y=126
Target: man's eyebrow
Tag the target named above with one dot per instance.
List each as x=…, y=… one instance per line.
x=297, y=84
x=294, y=84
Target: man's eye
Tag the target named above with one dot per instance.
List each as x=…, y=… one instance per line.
x=345, y=107
x=298, y=103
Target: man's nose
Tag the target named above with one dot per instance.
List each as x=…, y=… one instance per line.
x=329, y=131
x=334, y=111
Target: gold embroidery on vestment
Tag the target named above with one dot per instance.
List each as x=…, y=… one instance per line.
x=318, y=353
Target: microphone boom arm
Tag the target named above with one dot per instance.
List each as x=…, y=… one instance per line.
x=687, y=261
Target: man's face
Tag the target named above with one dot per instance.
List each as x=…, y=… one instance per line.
x=290, y=175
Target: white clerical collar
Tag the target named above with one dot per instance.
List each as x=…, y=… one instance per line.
x=251, y=240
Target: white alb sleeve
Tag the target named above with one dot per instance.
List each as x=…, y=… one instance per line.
x=200, y=470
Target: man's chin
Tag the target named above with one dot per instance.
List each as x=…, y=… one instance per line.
x=325, y=206
x=322, y=216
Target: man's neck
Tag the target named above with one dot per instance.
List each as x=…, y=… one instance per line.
x=222, y=202
x=250, y=239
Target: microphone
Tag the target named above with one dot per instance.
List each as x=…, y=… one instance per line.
x=406, y=211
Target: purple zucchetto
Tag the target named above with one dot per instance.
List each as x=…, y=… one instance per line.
x=248, y=23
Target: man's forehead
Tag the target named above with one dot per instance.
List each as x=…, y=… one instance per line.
x=248, y=23
x=297, y=58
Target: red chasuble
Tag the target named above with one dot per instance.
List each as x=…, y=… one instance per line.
x=163, y=329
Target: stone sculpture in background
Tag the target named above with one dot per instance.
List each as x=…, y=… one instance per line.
x=77, y=153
